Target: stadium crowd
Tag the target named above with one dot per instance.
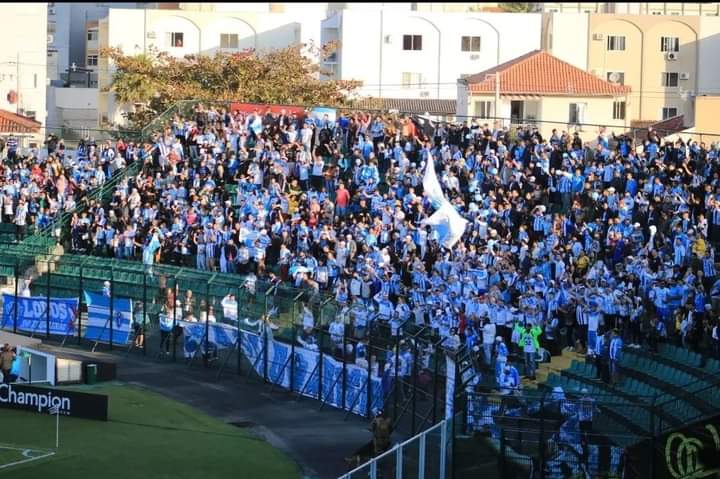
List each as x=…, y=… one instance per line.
x=570, y=242
x=37, y=185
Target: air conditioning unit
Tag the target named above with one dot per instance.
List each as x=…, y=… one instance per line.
x=671, y=56
x=475, y=57
x=388, y=39
x=151, y=34
x=598, y=36
x=50, y=38
x=424, y=94
x=684, y=76
x=614, y=77
x=51, y=10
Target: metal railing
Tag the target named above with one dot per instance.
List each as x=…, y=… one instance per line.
x=231, y=338
x=426, y=455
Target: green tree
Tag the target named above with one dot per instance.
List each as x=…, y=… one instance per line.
x=517, y=7
x=155, y=80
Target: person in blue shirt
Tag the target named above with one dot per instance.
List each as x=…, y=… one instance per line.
x=509, y=381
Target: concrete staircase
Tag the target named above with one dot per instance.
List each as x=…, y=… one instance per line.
x=556, y=364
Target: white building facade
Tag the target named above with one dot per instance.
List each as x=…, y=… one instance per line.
x=411, y=54
x=68, y=33
x=23, y=59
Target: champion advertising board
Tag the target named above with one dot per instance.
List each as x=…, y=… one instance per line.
x=41, y=400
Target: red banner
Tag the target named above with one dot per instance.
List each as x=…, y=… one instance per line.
x=263, y=108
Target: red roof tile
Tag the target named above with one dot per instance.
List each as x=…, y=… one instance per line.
x=409, y=105
x=538, y=72
x=14, y=123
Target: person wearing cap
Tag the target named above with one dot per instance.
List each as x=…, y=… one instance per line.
x=509, y=381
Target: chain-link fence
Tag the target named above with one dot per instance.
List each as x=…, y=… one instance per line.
x=548, y=434
x=300, y=340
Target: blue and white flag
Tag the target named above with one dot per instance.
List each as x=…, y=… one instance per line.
x=446, y=221
x=306, y=378
x=220, y=336
x=32, y=314
x=99, y=324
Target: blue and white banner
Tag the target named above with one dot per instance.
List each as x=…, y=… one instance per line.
x=449, y=387
x=32, y=314
x=99, y=324
x=220, y=336
x=306, y=380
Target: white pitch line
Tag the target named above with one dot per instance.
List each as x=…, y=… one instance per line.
x=24, y=453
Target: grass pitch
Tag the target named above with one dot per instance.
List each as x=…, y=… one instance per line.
x=147, y=436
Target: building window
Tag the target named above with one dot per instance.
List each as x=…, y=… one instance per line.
x=618, y=110
x=615, y=43
x=576, y=114
x=470, y=44
x=410, y=80
x=483, y=109
x=92, y=35
x=175, y=39
x=669, y=44
x=669, y=112
x=229, y=40
x=29, y=114
x=616, y=77
x=669, y=79
x=412, y=42
x=92, y=60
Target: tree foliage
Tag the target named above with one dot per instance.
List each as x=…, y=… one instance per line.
x=155, y=80
x=517, y=7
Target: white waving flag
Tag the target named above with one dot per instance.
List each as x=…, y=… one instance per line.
x=446, y=221
x=431, y=186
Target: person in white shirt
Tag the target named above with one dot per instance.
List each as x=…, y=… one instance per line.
x=308, y=340
x=26, y=289
x=489, y=335
x=337, y=334
x=308, y=320
x=230, y=307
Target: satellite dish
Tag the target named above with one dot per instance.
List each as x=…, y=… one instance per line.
x=614, y=77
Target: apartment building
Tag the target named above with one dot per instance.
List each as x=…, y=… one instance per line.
x=634, y=8
x=666, y=60
x=400, y=53
x=23, y=63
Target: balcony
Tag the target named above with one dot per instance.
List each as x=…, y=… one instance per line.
x=332, y=59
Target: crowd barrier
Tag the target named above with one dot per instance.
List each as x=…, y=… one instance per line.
x=188, y=315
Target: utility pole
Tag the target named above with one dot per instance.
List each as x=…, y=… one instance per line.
x=497, y=94
x=496, y=106
x=17, y=82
